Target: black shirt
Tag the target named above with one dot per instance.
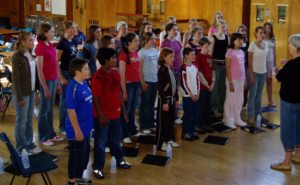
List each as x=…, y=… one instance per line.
x=289, y=76
x=220, y=48
x=69, y=52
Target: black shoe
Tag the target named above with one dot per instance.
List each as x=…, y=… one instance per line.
x=195, y=137
x=187, y=137
x=98, y=174
x=84, y=181
x=124, y=165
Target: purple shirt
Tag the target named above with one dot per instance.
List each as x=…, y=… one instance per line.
x=176, y=47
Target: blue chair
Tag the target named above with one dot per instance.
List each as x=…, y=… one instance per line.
x=39, y=163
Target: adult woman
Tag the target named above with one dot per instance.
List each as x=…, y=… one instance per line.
x=66, y=50
x=290, y=106
x=47, y=72
x=25, y=84
x=122, y=29
x=91, y=46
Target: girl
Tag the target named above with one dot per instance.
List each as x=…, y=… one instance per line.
x=242, y=29
x=219, y=44
x=196, y=35
x=122, y=29
x=188, y=34
x=148, y=77
x=167, y=100
x=162, y=34
x=66, y=50
x=129, y=63
x=145, y=27
x=91, y=46
x=24, y=86
x=47, y=72
x=271, y=60
x=107, y=41
x=214, y=28
x=235, y=79
x=257, y=63
x=190, y=87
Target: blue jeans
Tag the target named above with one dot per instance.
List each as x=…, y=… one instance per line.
x=147, y=106
x=255, y=96
x=62, y=102
x=205, y=111
x=190, y=116
x=110, y=134
x=290, y=125
x=132, y=89
x=45, y=118
x=79, y=155
x=23, y=128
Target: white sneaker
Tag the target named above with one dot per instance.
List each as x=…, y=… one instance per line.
x=138, y=134
x=164, y=146
x=127, y=140
x=178, y=121
x=173, y=144
x=241, y=123
x=48, y=143
x=147, y=131
x=230, y=125
x=36, y=150
x=107, y=149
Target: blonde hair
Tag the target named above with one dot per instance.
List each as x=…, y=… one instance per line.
x=23, y=35
x=215, y=22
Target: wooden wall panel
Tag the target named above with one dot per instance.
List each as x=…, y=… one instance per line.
x=11, y=9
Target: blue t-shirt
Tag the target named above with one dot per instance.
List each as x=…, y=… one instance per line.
x=150, y=69
x=79, y=98
x=69, y=52
x=80, y=38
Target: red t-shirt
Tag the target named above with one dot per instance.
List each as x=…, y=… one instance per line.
x=205, y=68
x=106, y=86
x=49, y=59
x=133, y=69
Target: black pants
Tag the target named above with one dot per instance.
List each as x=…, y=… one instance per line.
x=79, y=154
x=165, y=123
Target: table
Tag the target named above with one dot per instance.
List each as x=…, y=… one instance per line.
x=7, y=54
x=7, y=33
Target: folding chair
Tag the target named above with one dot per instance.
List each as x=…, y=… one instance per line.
x=39, y=163
x=5, y=91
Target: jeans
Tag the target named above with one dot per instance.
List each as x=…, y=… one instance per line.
x=205, y=111
x=23, y=127
x=45, y=118
x=110, y=134
x=290, y=125
x=62, y=102
x=79, y=155
x=255, y=96
x=190, y=116
x=147, y=106
x=219, y=91
x=132, y=89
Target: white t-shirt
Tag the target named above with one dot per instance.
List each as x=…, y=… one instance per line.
x=33, y=73
x=259, y=62
x=271, y=45
x=163, y=33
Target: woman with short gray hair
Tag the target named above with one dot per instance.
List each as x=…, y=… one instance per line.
x=290, y=105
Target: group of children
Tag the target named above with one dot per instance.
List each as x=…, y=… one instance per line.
x=127, y=72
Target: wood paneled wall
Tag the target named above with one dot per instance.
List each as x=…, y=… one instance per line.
x=12, y=9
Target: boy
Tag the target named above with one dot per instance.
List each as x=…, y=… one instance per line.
x=107, y=104
x=79, y=120
x=190, y=87
x=204, y=63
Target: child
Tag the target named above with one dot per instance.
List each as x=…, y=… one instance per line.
x=235, y=75
x=196, y=35
x=257, y=63
x=167, y=100
x=148, y=76
x=79, y=120
x=107, y=104
x=190, y=88
x=193, y=23
x=204, y=63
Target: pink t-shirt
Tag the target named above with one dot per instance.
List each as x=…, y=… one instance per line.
x=132, y=69
x=237, y=63
x=49, y=59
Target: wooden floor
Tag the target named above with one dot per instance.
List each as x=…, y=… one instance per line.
x=245, y=160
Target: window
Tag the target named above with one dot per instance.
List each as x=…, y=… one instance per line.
x=259, y=13
x=282, y=14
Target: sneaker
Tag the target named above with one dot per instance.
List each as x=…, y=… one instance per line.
x=178, y=121
x=124, y=165
x=48, y=143
x=147, y=131
x=241, y=124
x=173, y=144
x=107, y=149
x=83, y=181
x=138, y=134
x=187, y=137
x=127, y=140
x=58, y=138
x=164, y=147
x=35, y=150
x=98, y=174
x=230, y=125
